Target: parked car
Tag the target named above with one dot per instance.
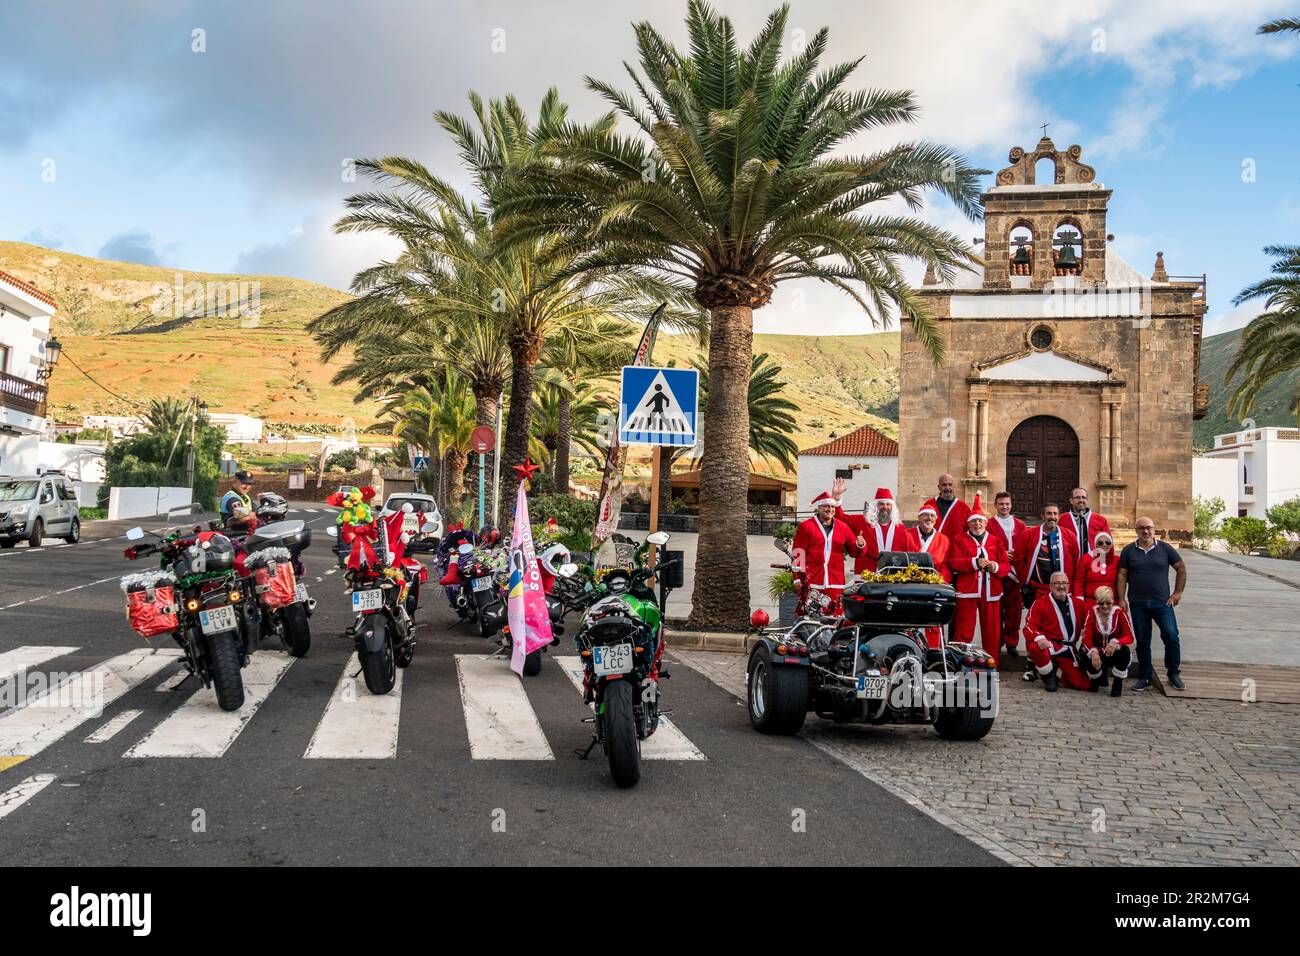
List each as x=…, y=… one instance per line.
x=36, y=507
x=421, y=504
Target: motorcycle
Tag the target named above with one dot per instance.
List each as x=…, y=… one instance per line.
x=383, y=630
x=620, y=643
x=195, y=596
x=885, y=660
x=269, y=560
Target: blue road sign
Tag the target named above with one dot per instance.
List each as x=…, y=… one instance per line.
x=658, y=406
x=420, y=463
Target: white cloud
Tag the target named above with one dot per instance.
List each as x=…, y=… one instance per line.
x=1233, y=318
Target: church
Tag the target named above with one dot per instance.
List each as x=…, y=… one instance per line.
x=1065, y=365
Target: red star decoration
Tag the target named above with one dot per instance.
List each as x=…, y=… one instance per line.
x=526, y=469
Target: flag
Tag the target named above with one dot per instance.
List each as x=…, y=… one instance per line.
x=610, y=500
x=530, y=622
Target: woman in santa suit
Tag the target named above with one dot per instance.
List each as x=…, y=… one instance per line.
x=1107, y=639
x=821, y=542
x=1096, y=569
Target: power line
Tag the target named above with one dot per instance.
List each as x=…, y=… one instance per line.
x=129, y=401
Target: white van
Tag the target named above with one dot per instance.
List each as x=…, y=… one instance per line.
x=36, y=507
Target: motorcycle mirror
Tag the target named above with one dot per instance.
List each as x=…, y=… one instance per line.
x=332, y=532
x=658, y=539
x=135, y=534
x=568, y=570
x=781, y=545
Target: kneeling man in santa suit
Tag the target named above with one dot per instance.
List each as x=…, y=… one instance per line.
x=1052, y=632
x=978, y=563
x=821, y=543
x=882, y=530
x=929, y=540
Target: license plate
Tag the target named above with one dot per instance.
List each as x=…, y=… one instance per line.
x=611, y=659
x=300, y=592
x=371, y=600
x=483, y=583
x=872, y=688
x=217, y=620
x=411, y=523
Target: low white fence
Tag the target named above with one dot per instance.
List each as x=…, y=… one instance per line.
x=145, y=502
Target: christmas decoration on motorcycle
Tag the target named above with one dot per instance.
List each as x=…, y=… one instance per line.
x=759, y=619
x=355, y=505
x=913, y=574
x=526, y=470
x=151, y=607
x=273, y=577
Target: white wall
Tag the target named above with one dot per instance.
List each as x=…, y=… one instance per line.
x=1282, y=477
x=19, y=454
x=817, y=474
x=1216, y=478
x=78, y=462
x=146, y=502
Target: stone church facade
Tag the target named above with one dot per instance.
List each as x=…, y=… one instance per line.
x=1065, y=366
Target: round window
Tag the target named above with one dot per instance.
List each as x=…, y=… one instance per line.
x=1041, y=338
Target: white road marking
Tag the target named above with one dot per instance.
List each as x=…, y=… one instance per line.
x=110, y=728
x=171, y=683
x=15, y=797
x=357, y=724
x=46, y=718
x=666, y=743
x=199, y=728
x=499, y=719
x=24, y=658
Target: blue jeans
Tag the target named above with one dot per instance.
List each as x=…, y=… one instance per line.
x=1143, y=613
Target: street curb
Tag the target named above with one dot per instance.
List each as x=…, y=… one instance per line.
x=718, y=641
x=1243, y=567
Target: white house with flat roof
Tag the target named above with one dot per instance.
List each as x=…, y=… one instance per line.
x=26, y=358
x=1268, y=466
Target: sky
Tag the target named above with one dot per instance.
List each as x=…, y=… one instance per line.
x=217, y=136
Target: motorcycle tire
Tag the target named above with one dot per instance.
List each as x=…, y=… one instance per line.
x=533, y=664
x=379, y=669
x=224, y=656
x=962, y=723
x=776, y=696
x=620, y=735
x=296, y=630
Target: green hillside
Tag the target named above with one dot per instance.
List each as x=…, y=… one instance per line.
x=1272, y=408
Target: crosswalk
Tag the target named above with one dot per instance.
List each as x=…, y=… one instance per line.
x=497, y=708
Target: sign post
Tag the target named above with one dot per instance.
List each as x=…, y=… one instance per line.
x=482, y=439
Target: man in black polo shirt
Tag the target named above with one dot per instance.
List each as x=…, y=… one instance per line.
x=1143, y=587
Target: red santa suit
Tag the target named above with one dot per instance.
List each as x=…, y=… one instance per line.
x=1098, y=633
x=821, y=548
x=1047, y=620
x=936, y=546
x=979, y=592
x=952, y=524
x=1009, y=530
x=1096, y=524
x=879, y=538
x=1095, y=570
x=1028, y=548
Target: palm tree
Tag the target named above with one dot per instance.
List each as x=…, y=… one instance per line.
x=1281, y=25
x=771, y=421
x=729, y=190
x=1270, y=345
x=566, y=414
x=440, y=417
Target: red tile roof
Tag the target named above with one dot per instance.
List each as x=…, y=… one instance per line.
x=865, y=441
x=28, y=288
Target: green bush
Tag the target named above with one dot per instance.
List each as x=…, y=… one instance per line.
x=1206, y=518
x=141, y=461
x=785, y=531
x=782, y=583
x=345, y=460
x=1245, y=535
x=1286, y=516
x=571, y=514
x=1281, y=546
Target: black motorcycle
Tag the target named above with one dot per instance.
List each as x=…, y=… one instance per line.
x=383, y=631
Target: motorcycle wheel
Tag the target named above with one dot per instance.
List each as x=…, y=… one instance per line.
x=224, y=655
x=777, y=697
x=533, y=664
x=962, y=723
x=620, y=735
x=296, y=630
x=380, y=669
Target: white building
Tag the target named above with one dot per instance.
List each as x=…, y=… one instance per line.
x=865, y=458
x=25, y=314
x=1268, y=466
x=121, y=426
x=239, y=428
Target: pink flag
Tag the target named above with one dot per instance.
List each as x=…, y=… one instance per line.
x=530, y=623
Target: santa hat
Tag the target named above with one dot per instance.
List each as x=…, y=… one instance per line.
x=884, y=494
x=927, y=510
x=825, y=498
x=977, y=510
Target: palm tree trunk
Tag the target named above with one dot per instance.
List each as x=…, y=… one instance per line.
x=524, y=353
x=560, y=473
x=456, y=476
x=721, y=598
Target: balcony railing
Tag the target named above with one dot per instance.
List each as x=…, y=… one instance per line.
x=22, y=395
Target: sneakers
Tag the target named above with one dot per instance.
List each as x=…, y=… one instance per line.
x=1142, y=684
x=1051, y=682
x=1177, y=681
x=1116, y=686
x=1031, y=674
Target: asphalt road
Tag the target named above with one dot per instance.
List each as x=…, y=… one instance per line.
x=255, y=798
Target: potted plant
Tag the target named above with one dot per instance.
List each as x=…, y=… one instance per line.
x=781, y=589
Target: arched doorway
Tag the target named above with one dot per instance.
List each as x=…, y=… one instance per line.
x=1042, y=465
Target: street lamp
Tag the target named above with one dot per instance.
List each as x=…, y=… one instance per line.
x=52, y=352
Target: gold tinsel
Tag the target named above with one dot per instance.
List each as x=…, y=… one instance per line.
x=914, y=574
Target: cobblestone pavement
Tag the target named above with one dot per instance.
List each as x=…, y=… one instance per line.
x=1080, y=779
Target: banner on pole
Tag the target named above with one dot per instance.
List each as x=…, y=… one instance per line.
x=530, y=620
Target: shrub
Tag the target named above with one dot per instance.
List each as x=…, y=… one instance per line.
x=1206, y=518
x=1281, y=546
x=782, y=583
x=571, y=514
x=345, y=460
x=1286, y=516
x=1245, y=535
x=785, y=531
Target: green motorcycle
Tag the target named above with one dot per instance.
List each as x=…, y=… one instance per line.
x=621, y=645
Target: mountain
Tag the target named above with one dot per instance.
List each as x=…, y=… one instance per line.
x=1272, y=407
x=126, y=325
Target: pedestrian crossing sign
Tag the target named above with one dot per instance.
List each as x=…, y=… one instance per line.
x=658, y=406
